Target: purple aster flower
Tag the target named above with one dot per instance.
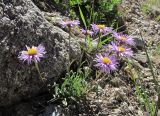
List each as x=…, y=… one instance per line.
x=87, y=32
x=70, y=23
x=101, y=28
x=123, y=38
x=106, y=63
x=121, y=50
x=34, y=53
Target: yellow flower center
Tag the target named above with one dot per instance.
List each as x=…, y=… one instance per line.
x=121, y=49
x=123, y=38
x=101, y=26
x=32, y=51
x=106, y=60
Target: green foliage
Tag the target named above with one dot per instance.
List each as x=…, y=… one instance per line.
x=157, y=86
x=158, y=49
x=108, y=5
x=140, y=91
x=73, y=87
x=105, y=9
x=92, y=45
x=89, y=46
x=82, y=16
x=149, y=4
x=155, y=3
x=144, y=100
x=145, y=8
x=158, y=18
x=74, y=2
x=93, y=11
x=57, y=1
x=102, y=42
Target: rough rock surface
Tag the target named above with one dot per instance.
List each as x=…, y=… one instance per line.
x=21, y=23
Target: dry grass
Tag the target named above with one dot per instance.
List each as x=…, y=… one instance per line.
x=155, y=3
x=149, y=5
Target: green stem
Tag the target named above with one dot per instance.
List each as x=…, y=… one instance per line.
x=99, y=39
x=69, y=45
x=92, y=11
x=69, y=42
x=150, y=63
x=37, y=67
x=157, y=87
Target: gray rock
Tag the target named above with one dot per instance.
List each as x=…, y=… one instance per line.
x=52, y=110
x=154, y=11
x=139, y=44
x=21, y=24
x=141, y=58
x=147, y=73
x=116, y=82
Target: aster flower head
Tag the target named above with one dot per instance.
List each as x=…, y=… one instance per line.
x=70, y=23
x=106, y=63
x=123, y=38
x=87, y=32
x=33, y=53
x=100, y=28
x=121, y=50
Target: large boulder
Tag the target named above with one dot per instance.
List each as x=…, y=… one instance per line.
x=21, y=24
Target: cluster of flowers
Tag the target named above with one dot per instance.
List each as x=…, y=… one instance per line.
x=116, y=50
x=106, y=62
